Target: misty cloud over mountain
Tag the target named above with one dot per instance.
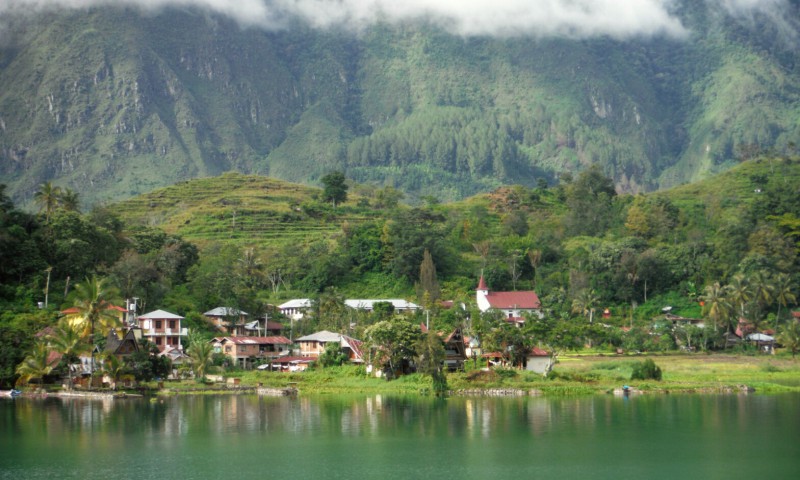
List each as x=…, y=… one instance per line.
x=545, y=18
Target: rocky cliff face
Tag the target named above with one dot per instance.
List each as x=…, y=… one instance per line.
x=112, y=102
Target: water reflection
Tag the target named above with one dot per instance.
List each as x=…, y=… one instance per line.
x=474, y=437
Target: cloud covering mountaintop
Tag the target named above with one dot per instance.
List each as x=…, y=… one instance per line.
x=542, y=18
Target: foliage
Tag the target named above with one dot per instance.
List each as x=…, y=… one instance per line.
x=332, y=356
x=393, y=342
x=646, y=370
x=430, y=356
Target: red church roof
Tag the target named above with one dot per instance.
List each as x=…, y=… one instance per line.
x=524, y=300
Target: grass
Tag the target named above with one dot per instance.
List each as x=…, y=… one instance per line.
x=573, y=375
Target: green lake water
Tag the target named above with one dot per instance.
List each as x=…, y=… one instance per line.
x=210, y=437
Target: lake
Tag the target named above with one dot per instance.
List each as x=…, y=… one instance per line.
x=245, y=436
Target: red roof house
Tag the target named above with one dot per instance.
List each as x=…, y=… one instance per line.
x=512, y=304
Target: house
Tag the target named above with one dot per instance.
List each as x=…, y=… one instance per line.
x=455, y=348
x=246, y=351
x=512, y=304
x=126, y=345
x=256, y=328
x=296, y=309
x=400, y=306
x=289, y=363
x=538, y=361
x=222, y=317
x=163, y=329
x=314, y=345
x=683, y=321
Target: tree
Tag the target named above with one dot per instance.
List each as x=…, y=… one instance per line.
x=430, y=356
x=717, y=306
x=69, y=200
x=35, y=366
x=113, y=367
x=335, y=190
x=740, y=292
x=428, y=284
x=66, y=341
x=393, y=342
x=47, y=197
x=789, y=336
x=584, y=303
x=200, y=352
x=783, y=294
x=332, y=356
x=94, y=301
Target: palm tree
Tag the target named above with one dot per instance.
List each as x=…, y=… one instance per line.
x=200, y=353
x=66, y=341
x=717, y=306
x=35, y=365
x=783, y=294
x=789, y=337
x=113, y=367
x=69, y=200
x=763, y=291
x=47, y=198
x=740, y=292
x=94, y=300
x=585, y=302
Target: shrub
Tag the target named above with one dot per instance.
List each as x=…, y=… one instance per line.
x=646, y=370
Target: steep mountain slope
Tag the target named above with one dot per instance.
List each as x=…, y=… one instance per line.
x=112, y=102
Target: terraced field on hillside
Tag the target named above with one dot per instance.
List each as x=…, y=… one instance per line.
x=243, y=209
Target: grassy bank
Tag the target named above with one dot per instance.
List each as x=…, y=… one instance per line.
x=573, y=375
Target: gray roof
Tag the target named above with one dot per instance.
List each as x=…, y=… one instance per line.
x=367, y=304
x=224, y=312
x=323, y=336
x=160, y=315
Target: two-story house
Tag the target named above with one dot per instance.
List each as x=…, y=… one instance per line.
x=313, y=345
x=163, y=329
x=246, y=351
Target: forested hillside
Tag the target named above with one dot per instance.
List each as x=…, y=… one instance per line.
x=117, y=101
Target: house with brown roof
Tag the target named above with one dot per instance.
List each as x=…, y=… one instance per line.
x=314, y=345
x=512, y=304
x=247, y=351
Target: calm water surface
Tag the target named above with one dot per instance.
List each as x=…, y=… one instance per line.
x=677, y=436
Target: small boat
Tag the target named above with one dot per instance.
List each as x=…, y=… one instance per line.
x=10, y=393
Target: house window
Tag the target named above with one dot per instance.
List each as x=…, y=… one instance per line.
x=172, y=324
x=228, y=349
x=158, y=340
x=158, y=324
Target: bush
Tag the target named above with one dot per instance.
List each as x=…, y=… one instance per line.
x=646, y=370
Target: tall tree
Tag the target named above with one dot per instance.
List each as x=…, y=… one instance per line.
x=335, y=188
x=789, y=336
x=428, y=284
x=430, y=356
x=717, y=306
x=740, y=293
x=95, y=300
x=69, y=200
x=47, y=197
x=66, y=341
x=783, y=294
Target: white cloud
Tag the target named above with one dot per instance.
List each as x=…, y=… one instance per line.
x=572, y=18
x=537, y=18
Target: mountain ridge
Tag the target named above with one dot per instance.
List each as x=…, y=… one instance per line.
x=112, y=103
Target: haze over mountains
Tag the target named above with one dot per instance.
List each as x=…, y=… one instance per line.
x=116, y=98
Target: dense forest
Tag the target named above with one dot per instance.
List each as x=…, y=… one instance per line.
x=730, y=243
